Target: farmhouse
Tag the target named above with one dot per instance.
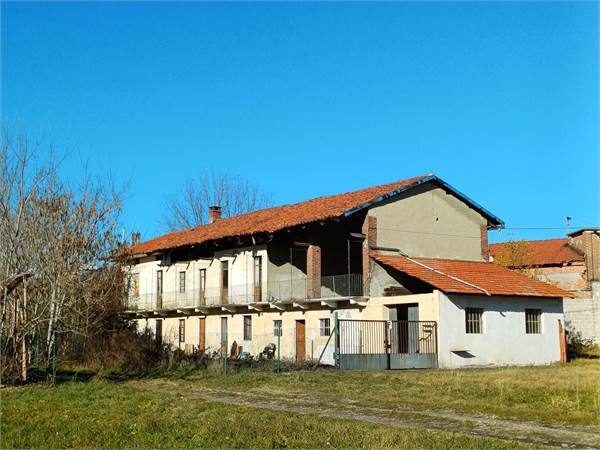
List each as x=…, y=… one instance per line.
x=571, y=263
x=400, y=271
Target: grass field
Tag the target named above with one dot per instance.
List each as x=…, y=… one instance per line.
x=109, y=414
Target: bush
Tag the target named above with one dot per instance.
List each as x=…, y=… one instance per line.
x=580, y=347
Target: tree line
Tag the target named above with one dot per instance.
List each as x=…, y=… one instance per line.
x=62, y=283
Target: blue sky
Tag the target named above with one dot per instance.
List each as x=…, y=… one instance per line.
x=307, y=99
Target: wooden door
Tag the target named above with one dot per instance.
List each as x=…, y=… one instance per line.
x=300, y=340
x=202, y=334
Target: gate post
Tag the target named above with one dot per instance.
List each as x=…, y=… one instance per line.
x=336, y=324
x=386, y=342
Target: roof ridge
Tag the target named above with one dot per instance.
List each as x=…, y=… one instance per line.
x=532, y=240
x=225, y=220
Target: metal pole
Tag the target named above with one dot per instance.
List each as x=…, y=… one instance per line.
x=225, y=355
x=336, y=323
x=279, y=349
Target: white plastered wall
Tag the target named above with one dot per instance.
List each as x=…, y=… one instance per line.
x=503, y=341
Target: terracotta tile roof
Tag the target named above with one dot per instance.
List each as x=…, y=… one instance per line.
x=470, y=277
x=273, y=219
x=548, y=252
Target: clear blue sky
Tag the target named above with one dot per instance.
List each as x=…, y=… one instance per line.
x=307, y=99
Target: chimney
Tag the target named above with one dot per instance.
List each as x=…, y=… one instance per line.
x=214, y=213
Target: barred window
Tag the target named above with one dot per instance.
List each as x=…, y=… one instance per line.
x=247, y=328
x=324, y=327
x=181, y=330
x=533, y=321
x=181, y=282
x=277, y=327
x=474, y=320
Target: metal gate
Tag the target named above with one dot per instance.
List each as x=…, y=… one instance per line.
x=387, y=344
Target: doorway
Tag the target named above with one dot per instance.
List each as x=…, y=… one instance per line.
x=158, y=332
x=300, y=340
x=405, y=339
x=202, y=334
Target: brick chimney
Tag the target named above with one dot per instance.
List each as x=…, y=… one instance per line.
x=588, y=242
x=214, y=213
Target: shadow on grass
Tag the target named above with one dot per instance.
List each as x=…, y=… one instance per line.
x=118, y=375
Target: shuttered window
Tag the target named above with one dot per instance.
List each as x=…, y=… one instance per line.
x=247, y=328
x=181, y=330
x=277, y=328
x=181, y=282
x=324, y=327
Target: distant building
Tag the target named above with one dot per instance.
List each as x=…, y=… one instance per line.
x=403, y=266
x=571, y=263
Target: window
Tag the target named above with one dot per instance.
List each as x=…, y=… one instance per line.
x=225, y=281
x=181, y=330
x=277, y=328
x=533, y=321
x=202, y=282
x=474, y=320
x=247, y=328
x=181, y=282
x=159, y=282
x=324, y=327
x=159, y=288
x=257, y=270
x=257, y=278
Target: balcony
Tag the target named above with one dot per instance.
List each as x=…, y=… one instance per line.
x=282, y=293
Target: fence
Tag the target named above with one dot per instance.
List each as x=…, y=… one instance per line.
x=354, y=344
x=381, y=344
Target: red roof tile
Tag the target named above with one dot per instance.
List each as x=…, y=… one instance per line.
x=273, y=219
x=470, y=277
x=546, y=252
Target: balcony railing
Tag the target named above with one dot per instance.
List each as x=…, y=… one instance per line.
x=347, y=285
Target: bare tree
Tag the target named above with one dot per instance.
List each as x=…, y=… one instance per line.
x=234, y=194
x=63, y=237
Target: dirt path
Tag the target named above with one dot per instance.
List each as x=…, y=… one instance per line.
x=527, y=432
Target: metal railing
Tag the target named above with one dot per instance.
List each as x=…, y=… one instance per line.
x=297, y=289
x=387, y=336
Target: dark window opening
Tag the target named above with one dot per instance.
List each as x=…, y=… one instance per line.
x=474, y=320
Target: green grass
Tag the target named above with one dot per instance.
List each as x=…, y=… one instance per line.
x=567, y=394
x=84, y=411
x=115, y=415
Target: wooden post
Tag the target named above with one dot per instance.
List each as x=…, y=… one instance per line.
x=562, y=343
